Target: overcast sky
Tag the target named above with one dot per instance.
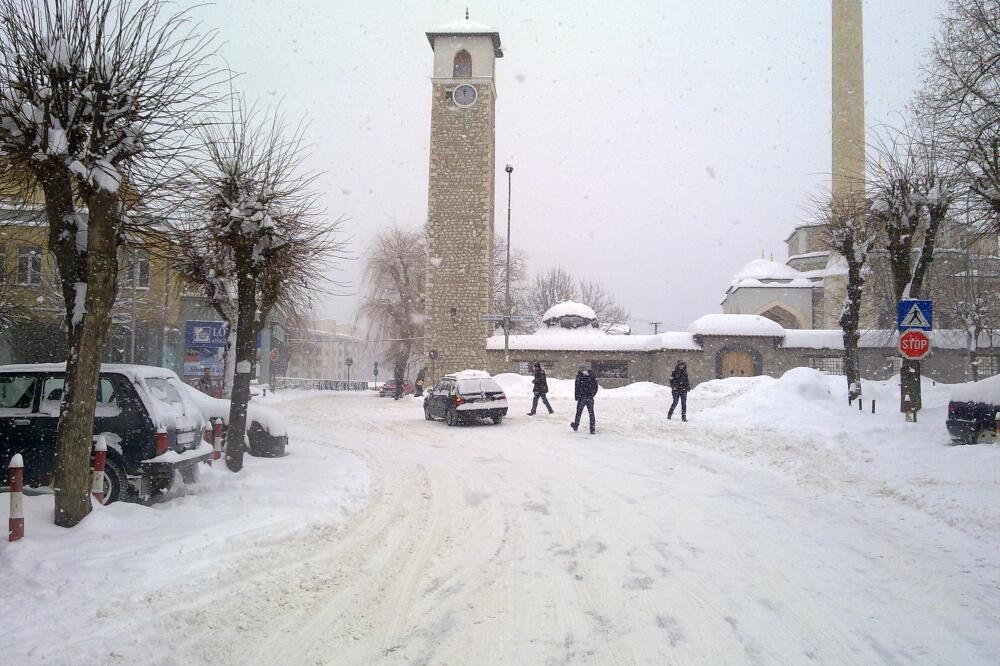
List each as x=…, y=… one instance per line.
x=657, y=146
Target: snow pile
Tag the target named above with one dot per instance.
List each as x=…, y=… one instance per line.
x=215, y=408
x=736, y=325
x=801, y=424
x=132, y=558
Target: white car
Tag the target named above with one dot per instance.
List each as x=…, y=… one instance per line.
x=267, y=433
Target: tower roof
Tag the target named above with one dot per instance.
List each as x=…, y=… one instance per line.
x=467, y=28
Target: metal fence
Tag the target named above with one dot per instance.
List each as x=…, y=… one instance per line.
x=321, y=384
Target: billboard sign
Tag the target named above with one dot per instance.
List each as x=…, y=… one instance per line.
x=205, y=333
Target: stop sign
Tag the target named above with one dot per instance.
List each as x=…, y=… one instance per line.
x=914, y=344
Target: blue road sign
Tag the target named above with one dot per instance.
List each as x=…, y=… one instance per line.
x=915, y=314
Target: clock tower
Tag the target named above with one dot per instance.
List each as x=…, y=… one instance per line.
x=460, y=194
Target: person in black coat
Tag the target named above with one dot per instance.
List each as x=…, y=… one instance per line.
x=679, y=387
x=585, y=389
x=541, y=387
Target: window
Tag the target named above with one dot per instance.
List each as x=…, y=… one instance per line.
x=17, y=393
x=988, y=365
x=52, y=395
x=137, y=269
x=527, y=367
x=831, y=365
x=610, y=369
x=463, y=65
x=894, y=364
x=29, y=266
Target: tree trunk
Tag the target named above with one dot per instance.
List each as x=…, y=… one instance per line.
x=229, y=368
x=850, y=319
x=89, y=315
x=246, y=354
x=909, y=385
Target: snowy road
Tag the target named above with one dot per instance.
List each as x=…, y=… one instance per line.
x=526, y=543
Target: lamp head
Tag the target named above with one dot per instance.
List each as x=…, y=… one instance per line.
x=508, y=169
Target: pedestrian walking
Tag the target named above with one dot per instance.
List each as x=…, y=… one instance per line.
x=418, y=383
x=679, y=387
x=205, y=383
x=541, y=388
x=584, y=391
x=398, y=379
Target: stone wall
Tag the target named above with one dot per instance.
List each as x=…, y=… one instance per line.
x=460, y=226
x=770, y=358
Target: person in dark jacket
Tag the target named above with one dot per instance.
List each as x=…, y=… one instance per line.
x=679, y=387
x=541, y=387
x=585, y=389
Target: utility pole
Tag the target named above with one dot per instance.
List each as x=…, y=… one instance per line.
x=506, y=317
x=656, y=326
x=133, y=273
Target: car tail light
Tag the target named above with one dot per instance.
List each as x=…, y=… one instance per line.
x=459, y=400
x=162, y=443
x=501, y=397
x=951, y=408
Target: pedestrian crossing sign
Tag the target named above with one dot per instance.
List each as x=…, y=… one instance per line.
x=915, y=314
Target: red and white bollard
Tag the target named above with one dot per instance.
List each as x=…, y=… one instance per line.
x=15, y=527
x=207, y=436
x=908, y=408
x=97, y=482
x=217, y=440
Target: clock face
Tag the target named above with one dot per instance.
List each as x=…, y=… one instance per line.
x=464, y=95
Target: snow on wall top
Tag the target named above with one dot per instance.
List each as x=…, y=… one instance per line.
x=569, y=308
x=466, y=27
x=881, y=339
x=736, y=325
x=563, y=340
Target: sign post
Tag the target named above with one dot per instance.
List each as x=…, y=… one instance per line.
x=914, y=320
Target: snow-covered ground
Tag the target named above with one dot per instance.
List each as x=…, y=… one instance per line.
x=777, y=526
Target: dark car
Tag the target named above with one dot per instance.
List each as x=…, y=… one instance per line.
x=972, y=412
x=389, y=388
x=464, y=397
x=133, y=403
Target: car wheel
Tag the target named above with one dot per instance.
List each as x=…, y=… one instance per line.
x=427, y=413
x=497, y=420
x=114, y=482
x=451, y=418
x=984, y=437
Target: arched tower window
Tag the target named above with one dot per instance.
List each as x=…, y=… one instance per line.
x=463, y=65
x=782, y=316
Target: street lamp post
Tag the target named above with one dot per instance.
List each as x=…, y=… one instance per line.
x=506, y=320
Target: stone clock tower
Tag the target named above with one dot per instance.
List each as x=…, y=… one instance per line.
x=460, y=194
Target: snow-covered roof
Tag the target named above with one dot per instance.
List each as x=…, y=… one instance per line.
x=809, y=255
x=736, y=325
x=466, y=27
x=569, y=308
x=563, y=340
x=766, y=273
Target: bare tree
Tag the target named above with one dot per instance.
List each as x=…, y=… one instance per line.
x=257, y=237
x=394, y=277
x=969, y=294
x=912, y=191
x=518, y=278
x=961, y=98
x=93, y=94
x=850, y=231
x=557, y=285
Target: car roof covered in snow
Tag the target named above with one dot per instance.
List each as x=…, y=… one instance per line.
x=985, y=390
x=129, y=370
x=469, y=374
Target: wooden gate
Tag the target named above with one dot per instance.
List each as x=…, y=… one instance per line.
x=737, y=363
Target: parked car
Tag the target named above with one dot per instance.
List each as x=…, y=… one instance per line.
x=464, y=397
x=972, y=411
x=389, y=388
x=133, y=402
x=267, y=434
